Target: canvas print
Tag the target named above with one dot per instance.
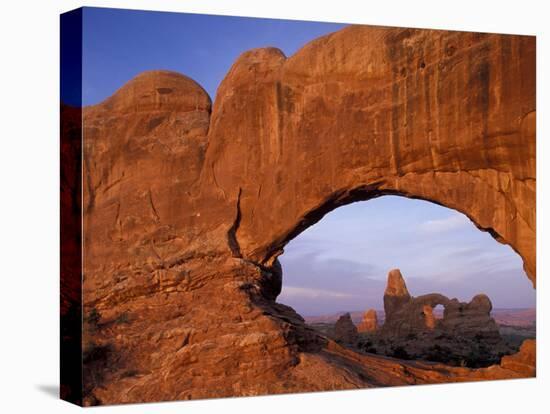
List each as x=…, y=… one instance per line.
x=260, y=206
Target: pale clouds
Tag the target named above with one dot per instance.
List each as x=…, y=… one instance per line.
x=296, y=292
x=344, y=259
x=453, y=222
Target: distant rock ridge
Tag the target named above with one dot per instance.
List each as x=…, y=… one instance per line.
x=466, y=334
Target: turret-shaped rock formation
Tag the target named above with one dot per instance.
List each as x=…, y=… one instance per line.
x=396, y=294
x=369, y=322
x=467, y=332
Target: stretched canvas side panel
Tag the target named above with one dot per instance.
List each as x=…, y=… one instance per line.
x=71, y=206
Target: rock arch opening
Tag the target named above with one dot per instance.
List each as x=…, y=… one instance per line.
x=433, y=314
x=438, y=311
x=334, y=275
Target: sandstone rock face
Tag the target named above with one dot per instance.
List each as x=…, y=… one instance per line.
x=466, y=334
x=344, y=330
x=187, y=205
x=396, y=294
x=371, y=111
x=524, y=361
x=369, y=322
x=143, y=149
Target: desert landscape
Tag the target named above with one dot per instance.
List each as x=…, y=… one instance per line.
x=188, y=202
x=464, y=334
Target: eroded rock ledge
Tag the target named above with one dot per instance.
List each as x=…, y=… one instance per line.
x=187, y=206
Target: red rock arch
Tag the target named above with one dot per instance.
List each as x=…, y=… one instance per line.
x=440, y=116
x=186, y=206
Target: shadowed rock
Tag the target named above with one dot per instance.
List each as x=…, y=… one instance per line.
x=345, y=330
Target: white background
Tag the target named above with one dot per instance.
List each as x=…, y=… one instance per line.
x=29, y=207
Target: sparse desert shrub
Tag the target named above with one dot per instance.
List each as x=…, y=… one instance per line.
x=96, y=360
x=91, y=319
x=130, y=373
x=439, y=354
x=93, y=352
x=400, y=352
x=122, y=318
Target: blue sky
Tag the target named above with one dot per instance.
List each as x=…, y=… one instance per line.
x=119, y=44
x=340, y=263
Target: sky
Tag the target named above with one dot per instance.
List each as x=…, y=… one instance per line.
x=119, y=44
x=340, y=263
